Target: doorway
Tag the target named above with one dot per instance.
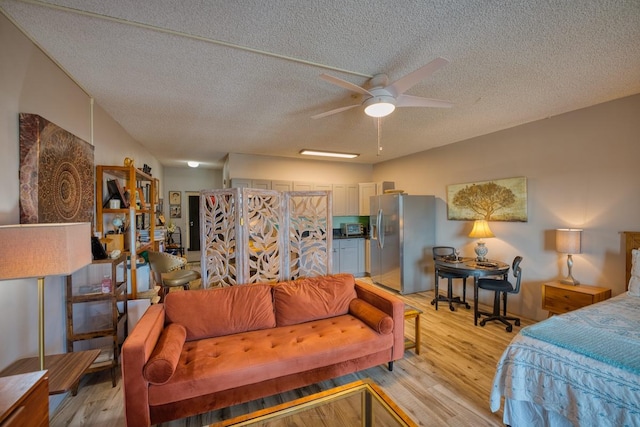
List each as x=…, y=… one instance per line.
x=193, y=221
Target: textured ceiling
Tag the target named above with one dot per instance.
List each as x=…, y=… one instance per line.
x=195, y=80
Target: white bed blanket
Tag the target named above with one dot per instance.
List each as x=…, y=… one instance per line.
x=585, y=390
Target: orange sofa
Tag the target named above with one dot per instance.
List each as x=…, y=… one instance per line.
x=207, y=349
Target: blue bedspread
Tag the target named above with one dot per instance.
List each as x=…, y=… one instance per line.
x=595, y=333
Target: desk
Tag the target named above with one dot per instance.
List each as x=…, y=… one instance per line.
x=471, y=267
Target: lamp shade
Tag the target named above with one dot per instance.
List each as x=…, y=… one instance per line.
x=39, y=250
x=481, y=230
x=569, y=240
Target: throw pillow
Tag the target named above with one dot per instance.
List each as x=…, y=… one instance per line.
x=375, y=318
x=165, y=356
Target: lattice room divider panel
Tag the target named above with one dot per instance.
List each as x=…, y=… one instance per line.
x=249, y=221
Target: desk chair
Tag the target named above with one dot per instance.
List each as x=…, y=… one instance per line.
x=449, y=251
x=502, y=287
x=168, y=271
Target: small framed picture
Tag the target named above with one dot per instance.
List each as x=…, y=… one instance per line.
x=175, y=198
x=174, y=211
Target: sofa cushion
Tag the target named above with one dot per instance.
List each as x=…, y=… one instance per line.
x=313, y=298
x=165, y=356
x=221, y=311
x=376, y=319
x=223, y=363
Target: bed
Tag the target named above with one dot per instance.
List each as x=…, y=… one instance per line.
x=580, y=368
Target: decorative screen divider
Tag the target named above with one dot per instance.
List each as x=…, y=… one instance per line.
x=242, y=239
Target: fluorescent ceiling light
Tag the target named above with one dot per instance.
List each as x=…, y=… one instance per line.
x=328, y=154
x=193, y=164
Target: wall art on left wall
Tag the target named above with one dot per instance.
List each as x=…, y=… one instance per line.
x=56, y=173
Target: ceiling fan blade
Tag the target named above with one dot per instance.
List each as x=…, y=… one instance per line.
x=405, y=83
x=337, y=110
x=417, y=101
x=345, y=84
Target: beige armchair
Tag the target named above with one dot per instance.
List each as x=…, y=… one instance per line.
x=168, y=271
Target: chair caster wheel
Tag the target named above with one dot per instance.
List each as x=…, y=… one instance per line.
x=452, y=308
x=482, y=323
x=509, y=328
x=467, y=306
x=517, y=323
x=433, y=302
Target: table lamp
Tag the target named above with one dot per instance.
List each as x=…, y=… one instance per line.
x=481, y=231
x=568, y=241
x=39, y=250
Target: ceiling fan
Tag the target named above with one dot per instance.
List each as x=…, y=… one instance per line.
x=383, y=98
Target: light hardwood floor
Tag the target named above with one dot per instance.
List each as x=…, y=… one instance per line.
x=447, y=384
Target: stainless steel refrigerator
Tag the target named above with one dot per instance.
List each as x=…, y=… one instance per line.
x=402, y=237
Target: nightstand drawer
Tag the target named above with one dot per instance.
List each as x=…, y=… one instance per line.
x=559, y=298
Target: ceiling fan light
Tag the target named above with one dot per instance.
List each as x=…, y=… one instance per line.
x=379, y=106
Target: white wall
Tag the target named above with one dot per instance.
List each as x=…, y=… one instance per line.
x=32, y=83
x=582, y=171
x=291, y=169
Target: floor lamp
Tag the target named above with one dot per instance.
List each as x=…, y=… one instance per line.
x=40, y=250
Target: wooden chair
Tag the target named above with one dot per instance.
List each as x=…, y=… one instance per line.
x=502, y=287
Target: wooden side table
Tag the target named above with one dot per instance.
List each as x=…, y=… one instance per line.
x=559, y=298
x=413, y=313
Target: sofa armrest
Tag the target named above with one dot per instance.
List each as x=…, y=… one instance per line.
x=391, y=305
x=136, y=350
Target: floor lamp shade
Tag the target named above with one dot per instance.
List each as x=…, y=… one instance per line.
x=40, y=250
x=569, y=241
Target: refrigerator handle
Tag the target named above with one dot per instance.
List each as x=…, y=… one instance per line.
x=380, y=229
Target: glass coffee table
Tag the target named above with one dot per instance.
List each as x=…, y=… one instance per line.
x=359, y=404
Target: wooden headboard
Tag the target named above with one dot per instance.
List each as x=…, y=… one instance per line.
x=632, y=241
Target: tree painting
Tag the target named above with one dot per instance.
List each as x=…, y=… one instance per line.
x=498, y=200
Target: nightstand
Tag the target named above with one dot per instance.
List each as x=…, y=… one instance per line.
x=24, y=400
x=559, y=298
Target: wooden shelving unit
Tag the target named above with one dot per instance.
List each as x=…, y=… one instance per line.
x=88, y=327
x=139, y=219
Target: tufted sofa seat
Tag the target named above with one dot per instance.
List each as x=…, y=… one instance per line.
x=208, y=349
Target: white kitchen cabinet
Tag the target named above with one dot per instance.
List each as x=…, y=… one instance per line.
x=278, y=185
x=261, y=184
x=368, y=189
x=345, y=200
x=348, y=256
x=302, y=186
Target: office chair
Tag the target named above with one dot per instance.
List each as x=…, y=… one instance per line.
x=501, y=287
x=168, y=271
x=442, y=252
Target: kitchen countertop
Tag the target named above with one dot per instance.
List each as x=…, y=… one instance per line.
x=337, y=235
